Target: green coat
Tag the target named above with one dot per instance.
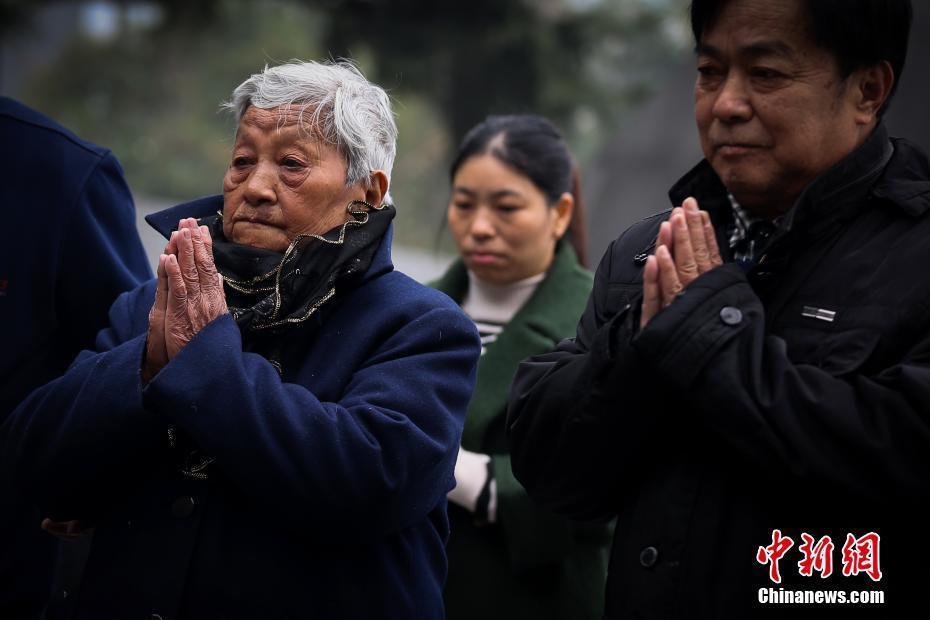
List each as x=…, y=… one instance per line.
x=531, y=563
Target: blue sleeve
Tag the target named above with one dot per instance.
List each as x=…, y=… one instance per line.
x=101, y=254
x=63, y=282
x=82, y=439
x=376, y=461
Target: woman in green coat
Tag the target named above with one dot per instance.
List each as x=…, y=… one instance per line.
x=512, y=204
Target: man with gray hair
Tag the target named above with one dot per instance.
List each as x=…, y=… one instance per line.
x=269, y=428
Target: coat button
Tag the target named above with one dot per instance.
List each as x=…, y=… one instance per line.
x=730, y=315
x=648, y=557
x=183, y=507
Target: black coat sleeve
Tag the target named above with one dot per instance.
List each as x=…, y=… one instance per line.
x=862, y=433
x=575, y=446
x=579, y=414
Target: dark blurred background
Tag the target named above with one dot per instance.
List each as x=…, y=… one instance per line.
x=146, y=79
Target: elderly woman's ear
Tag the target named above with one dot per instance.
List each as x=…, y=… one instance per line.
x=377, y=188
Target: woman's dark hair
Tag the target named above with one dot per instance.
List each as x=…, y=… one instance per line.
x=859, y=33
x=535, y=148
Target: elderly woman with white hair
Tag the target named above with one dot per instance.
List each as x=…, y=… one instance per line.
x=268, y=429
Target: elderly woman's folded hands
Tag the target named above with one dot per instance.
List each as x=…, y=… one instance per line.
x=189, y=295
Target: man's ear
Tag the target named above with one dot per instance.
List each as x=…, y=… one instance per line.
x=872, y=85
x=377, y=188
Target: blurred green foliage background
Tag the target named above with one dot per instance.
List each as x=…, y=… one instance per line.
x=146, y=78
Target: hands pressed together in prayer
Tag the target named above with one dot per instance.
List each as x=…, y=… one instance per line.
x=685, y=248
x=189, y=295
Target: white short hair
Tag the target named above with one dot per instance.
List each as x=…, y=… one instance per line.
x=346, y=109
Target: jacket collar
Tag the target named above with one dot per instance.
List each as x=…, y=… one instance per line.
x=166, y=221
x=537, y=310
x=705, y=186
x=906, y=182
x=543, y=312
x=842, y=191
x=534, y=328
x=454, y=282
x=891, y=169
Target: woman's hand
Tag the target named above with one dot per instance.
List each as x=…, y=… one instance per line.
x=156, y=355
x=471, y=475
x=189, y=295
x=195, y=291
x=66, y=530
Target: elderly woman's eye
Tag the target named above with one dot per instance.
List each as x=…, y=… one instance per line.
x=239, y=162
x=292, y=164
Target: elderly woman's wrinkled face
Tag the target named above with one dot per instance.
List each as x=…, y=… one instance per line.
x=283, y=181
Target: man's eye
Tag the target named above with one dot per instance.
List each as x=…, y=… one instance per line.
x=463, y=206
x=508, y=208
x=763, y=73
x=708, y=71
x=240, y=162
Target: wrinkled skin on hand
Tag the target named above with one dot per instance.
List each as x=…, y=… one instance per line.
x=189, y=295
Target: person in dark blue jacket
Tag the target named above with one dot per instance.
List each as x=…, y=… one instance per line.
x=269, y=428
x=68, y=247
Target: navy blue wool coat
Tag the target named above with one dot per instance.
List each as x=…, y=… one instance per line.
x=68, y=248
x=328, y=495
